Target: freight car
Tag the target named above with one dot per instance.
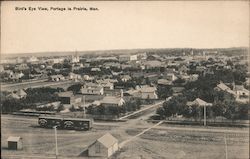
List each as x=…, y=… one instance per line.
x=65, y=123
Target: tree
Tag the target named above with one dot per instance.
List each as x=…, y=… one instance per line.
x=60, y=108
x=161, y=112
x=72, y=109
x=219, y=109
x=164, y=91
x=75, y=88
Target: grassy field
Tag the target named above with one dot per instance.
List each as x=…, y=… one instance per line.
x=157, y=143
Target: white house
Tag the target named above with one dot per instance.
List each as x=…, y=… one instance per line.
x=112, y=101
x=105, y=146
x=241, y=91
x=144, y=92
x=92, y=89
x=199, y=102
x=57, y=78
x=171, y=77
x=15, y=143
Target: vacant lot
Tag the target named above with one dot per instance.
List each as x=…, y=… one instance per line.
x=157, y=143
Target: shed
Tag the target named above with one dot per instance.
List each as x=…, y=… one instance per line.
x=15, y=143
x=105, y=146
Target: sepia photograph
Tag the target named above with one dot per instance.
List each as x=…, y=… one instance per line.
x=125, y=79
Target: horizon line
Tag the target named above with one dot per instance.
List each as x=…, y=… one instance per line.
x=121, y=49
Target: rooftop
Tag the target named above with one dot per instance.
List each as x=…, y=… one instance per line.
x=107, y=140
x=14, y=138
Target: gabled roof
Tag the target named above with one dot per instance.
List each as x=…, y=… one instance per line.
x=225, y=88
x=21, y=92
x=107, y=140
x=222, y=86
x=111, y=100
x=164, y=82
x=199, y=102
x=240, y=88
x=14, y=138
x=147, y=89
x=65, y=94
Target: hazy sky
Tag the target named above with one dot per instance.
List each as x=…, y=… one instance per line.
x=124, y=25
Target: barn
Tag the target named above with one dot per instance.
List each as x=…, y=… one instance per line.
x=105, y=146
x=15, y=143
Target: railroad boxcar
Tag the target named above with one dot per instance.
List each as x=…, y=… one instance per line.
x=49, y=122
x=77, y=123
x=65, y=123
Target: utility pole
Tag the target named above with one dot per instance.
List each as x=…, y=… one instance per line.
x=205, y=115
x=225, y=138
x=84, y=109
x=56, y=141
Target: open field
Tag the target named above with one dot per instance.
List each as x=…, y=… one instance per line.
x=164, y=141
x=36, y=84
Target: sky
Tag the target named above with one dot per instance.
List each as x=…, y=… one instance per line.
x=123, y=25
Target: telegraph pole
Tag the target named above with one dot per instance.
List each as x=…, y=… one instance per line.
x=205, y=115
x=225, y=138
x=56, y=141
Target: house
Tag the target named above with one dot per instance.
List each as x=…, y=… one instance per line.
x=16, y=76
x=208, y=72
x=68, y=99
x=1, y=68
x=193, y=77
x=124, y=66
x=18, y=94
x=55, y=60
x=105, y=146
x=75, y=58
x=112, y=101
x=183, y=69
x=106, y=84
x=177, y=90
x=222, y=87
x=57, y=78
x=164, y=82
x=152, y=64
x=92, y=89
x=200, y=68
x=241, y=91
x=227, y=92
x=151, y=77
x=95, y=69
x=32, y=59
x=125, y=78
x=112, y=64
x=127, y=58
x=170, y=77
x=88, y=78
x=22, y=67
x=153, y=57
x=148, y=92
x=73, y=76
x=144, y=92
x=198, y=102
x=242, y=94
x=15, y=143
x=109, y=58
x=137, y=74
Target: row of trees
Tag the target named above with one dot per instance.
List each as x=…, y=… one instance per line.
x=178, y=106
x=34, y=96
